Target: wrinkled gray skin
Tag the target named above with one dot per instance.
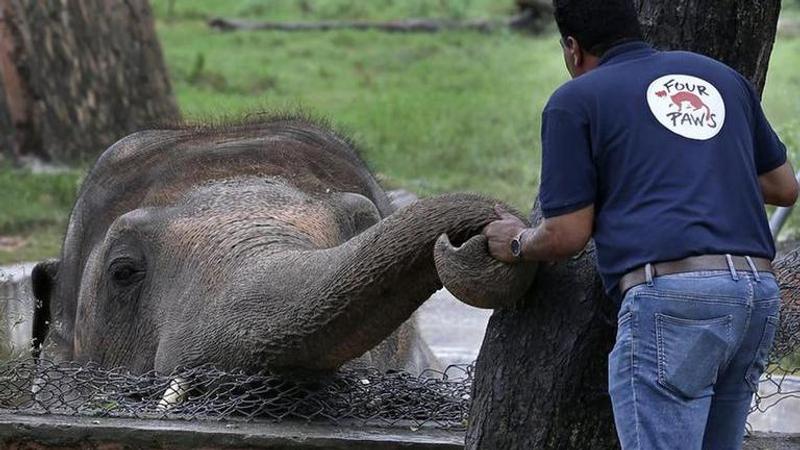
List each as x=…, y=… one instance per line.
x=258, y=246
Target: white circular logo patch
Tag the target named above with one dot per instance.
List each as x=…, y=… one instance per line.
x=687, y=105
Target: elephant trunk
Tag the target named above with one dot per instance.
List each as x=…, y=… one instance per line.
x=362, y=290
x=477, y=279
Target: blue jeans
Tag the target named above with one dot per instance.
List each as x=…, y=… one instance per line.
x=690, y=350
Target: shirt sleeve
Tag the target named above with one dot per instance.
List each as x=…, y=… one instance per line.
x=769, y=151
x=569, y=177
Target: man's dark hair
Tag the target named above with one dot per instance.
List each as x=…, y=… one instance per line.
x=598, y=25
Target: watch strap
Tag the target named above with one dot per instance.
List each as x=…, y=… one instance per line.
x=517, y=244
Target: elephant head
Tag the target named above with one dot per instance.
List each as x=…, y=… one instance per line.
x=266, y=245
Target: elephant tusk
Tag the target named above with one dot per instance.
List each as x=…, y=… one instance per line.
x=174, y=395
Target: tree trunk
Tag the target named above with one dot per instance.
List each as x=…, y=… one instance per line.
x=738, y=33
x=393, y=26
x=541, y=377
x=76, y=76
x=540, y=380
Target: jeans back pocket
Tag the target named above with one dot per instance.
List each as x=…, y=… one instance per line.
x=690, y=353
x=759, y=363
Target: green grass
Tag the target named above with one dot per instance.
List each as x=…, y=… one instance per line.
x=433, y=113
x=37, y=200
x=329, y=9
x=33, y=212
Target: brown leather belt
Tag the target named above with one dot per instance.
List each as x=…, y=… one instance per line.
x=692, y=264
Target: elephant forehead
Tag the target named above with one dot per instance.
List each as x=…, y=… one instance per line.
x=308, y=224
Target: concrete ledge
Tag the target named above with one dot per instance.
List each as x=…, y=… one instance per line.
x=66, y=432
x=18, y=431
x=772, y=441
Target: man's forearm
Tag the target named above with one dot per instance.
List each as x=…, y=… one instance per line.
x=555, y=239
x=779, y=186
x=543, y=244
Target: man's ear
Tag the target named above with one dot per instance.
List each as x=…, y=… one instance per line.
x=576, y=51
x=43, y=280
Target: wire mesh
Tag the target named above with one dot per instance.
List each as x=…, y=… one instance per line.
x=362, y=397
x=359, y=396
x=781, y=380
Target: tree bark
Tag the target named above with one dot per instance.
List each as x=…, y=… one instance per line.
x=739, y=33
x=530, y=17
x=540, y=380
x=394, y=26
x=526, y=20
x=541, y=377
x=76, y=76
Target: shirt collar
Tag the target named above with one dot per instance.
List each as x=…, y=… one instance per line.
x=626, y=52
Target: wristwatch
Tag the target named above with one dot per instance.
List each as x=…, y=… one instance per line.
x=516, y=244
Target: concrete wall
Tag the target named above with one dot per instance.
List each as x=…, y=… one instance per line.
x=18, y=432
x=96, y=433
x=16, y=310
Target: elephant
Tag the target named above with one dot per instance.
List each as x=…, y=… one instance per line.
x=263, y=245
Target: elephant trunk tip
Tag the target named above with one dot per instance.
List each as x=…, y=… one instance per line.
x=474, y=277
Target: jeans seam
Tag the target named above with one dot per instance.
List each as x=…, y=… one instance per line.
x=740, y=340
x=765, y=303
x=661, y=357
x=747, y=320
x=732, y=347
x=634, y=322
x=754, y=384
x=661, y=353
x=715, y=273
x=676, y=295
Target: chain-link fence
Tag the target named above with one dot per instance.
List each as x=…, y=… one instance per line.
x=367, y=397
x=362, y=397
x=781, y=381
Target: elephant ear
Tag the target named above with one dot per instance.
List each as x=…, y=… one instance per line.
x=401, y=198
x=43, y=280
x=471, y=274
x=358, y=213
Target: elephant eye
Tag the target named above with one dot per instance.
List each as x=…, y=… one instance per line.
x=125, y=272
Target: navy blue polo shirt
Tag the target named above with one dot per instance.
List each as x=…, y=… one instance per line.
x=668, y=146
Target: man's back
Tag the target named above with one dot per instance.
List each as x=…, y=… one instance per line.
x=666, y=159
x=668, y=146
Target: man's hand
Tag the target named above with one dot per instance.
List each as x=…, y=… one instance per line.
x=500, y=234
x=554, y=239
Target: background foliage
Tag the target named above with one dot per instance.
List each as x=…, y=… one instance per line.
x=433, y=112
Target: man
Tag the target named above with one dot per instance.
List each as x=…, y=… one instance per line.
x=666, y=159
